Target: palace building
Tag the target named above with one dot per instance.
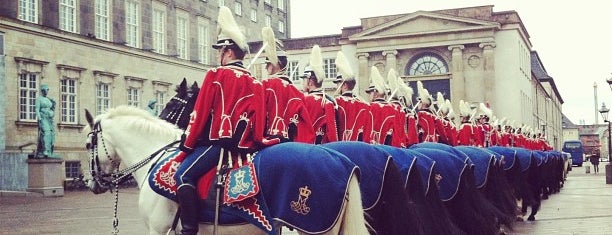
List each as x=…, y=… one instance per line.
x=473, y=54
x=99, y=54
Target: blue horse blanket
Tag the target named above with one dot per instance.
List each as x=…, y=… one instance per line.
x=425, y=165
x=404, y=161
x=524, y=156
x=300, y=185
x=450, y=167
x=483, y=161
x=508, y=156
x=372, y=162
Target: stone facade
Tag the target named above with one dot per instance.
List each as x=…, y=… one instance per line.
x=43, y=52
x=472, y=54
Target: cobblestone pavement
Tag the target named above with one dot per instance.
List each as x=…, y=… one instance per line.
x=583, y=207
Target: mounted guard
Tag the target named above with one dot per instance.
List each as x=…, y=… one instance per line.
x=227, y=115
x=287, y=116
x=383, y=113
x=321, y=107
x=353, y=113
x=426, y=119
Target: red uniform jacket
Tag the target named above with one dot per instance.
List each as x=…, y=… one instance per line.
x=412, y=132
x=466, y=134
x=519, y=140
x=323, y=114
x=479, y=136
x=452, y=134
x=399, y=138
x=284, y=105
x=383, y=122
x=506, y=139
x=426, y=122
x=353, y=117
x=495, y=138
x=441, y=129
x=228, y=111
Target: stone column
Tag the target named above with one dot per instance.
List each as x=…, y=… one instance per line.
x=457, y=81
x=363, y=81
x=391, y=56
x=489, y=71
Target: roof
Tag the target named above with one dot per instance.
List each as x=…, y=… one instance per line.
x=566, y=122
x=538, y=70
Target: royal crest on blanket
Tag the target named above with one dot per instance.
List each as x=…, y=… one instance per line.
x=303, y=185
x=240, y=202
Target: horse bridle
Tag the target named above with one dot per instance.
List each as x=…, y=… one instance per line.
x=171, y=115
x=119, y=176
x=106, y=180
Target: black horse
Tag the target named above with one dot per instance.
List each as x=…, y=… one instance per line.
x=179, y=107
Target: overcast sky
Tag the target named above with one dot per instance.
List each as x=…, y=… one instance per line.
x=573, y=38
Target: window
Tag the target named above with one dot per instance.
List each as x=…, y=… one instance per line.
x=160, y=97
x=253, y=15
x=281, y=4
x=293, y=69
x=426, y=64
x=133, y=97
x=268, y=20
x=203, y=42
x=102, y=21
x=68, y=101
x=329, y=65
x=159, y=29
x=73, y=169
x=181, y=37
x=103, y=99
x=238, y=8
x=28, y=10
x=28, y=88
x=132, y=26
x=281, y=27
x=67, y=15
x=221, y=3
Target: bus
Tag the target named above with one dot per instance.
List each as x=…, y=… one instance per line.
x=575, y=148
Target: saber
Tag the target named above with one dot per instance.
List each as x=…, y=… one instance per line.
x=257, y=55
x=415, y=106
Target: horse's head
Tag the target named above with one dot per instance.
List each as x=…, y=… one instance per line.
x=99, y=177
x=179, y=107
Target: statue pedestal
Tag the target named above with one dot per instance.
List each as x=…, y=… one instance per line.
x=45, y=176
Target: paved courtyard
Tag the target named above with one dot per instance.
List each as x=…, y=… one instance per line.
x=584, y=207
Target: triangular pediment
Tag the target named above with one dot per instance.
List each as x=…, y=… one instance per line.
x=420, y=23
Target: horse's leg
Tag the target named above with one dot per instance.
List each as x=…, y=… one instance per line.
x=158, y=212
x=534, y=210
x=352, y=217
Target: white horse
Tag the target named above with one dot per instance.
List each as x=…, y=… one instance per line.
x=128, y=135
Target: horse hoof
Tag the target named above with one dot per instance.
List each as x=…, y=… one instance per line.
x=519, y=219
x=531, y=218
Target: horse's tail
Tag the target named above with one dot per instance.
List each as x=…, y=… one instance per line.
x=353, y=221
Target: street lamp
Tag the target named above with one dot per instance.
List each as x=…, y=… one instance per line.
x=604, y=113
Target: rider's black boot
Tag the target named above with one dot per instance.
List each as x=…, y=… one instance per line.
x=189, y=206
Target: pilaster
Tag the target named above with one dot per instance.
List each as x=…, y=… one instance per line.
x=363, y=80
x=457, y=81
x=489, y=71
x=391, y=57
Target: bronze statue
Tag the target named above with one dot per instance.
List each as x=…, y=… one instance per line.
x=45, y=108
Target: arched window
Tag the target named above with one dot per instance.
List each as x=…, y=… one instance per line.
x=426, y=64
